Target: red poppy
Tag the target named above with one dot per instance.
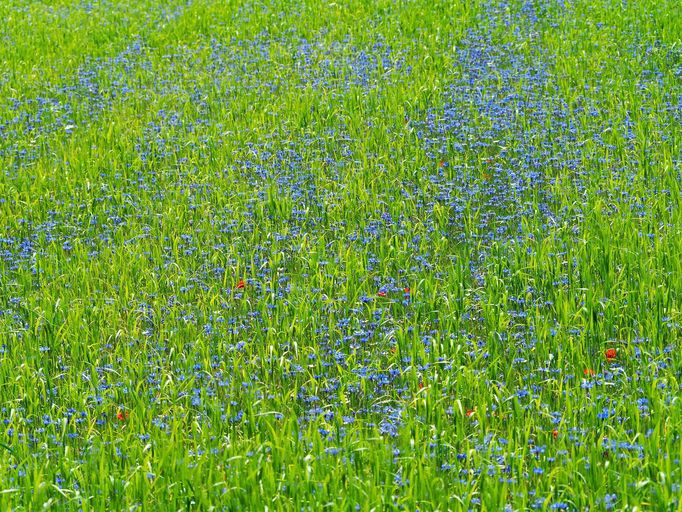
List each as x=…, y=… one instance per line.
x=421, y=385
x=470, y=412
x=610, y=354
x=407, y=291
x=121, y=416
x=241, y=284
x=588, y=372
x=555, y=433
x=381, y=294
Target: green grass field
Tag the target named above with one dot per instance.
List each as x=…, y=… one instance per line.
x=353, y=255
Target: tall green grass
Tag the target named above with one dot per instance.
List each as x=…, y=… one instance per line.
x=443, y=214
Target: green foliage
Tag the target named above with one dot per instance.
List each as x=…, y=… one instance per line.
x=443, y=214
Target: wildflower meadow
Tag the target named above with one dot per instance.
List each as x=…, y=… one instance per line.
x=340, y=255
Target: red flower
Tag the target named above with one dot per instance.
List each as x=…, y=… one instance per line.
x=610, y=354
x=421, y=385
x=555, y=433
x=407, y=291
x=121, y=416
x=241, y=284
x=381, y=294
x=470, y=412
x=588, y=372
x=441, y=163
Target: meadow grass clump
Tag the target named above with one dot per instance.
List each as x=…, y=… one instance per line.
x=351, y=256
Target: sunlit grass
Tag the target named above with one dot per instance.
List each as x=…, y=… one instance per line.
x=354, y=255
